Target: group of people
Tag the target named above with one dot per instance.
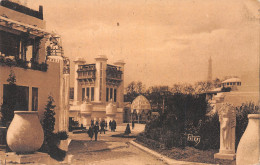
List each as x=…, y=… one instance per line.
x=112, y=125
x=94, y=128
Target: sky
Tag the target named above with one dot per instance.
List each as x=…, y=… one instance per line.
x=161, y=41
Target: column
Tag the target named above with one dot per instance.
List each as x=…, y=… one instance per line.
x=100, y=84
x=77, y=62
x=120, y=89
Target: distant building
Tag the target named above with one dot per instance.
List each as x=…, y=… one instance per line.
x=23, y=42
x=231, y=82
x=140, y=109
x=239, y=91
x=98, y=91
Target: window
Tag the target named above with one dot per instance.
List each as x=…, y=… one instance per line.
x=20, y=94
x=87, y=93
x=9, y=44
x=72, y=93
x=227, y=83
x=111, y=93
x=107, y=94
x=114, y=95
x=92, y=94
x=83, y=94
x=34, y=99
x=22, y=98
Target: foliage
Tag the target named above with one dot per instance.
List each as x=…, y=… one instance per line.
x=242, y=118
x=51, y=139
x=181, y=112
x=133, y=90
x=5, y=61
x=171, y=128
x=210, y=133
x=8, y=106
x=49, y=119
x=62, y=135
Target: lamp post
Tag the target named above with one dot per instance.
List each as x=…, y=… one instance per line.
x=163, y=104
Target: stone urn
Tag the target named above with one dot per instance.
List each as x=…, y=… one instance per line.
x=25, y=133
x=248, y=148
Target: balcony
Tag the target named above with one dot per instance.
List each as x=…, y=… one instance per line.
x=12, y=62
x=113, y=75
x=87, y=74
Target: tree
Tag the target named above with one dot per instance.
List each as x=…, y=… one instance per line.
x=130, y=88
x=157, y=96
x=139, y=87
x=133, y=90
x=49, y=119
x=183, y=88
x=202, y=86
x=9, y=101
x=217, y=83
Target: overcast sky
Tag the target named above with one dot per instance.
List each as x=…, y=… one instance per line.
x=162, y=41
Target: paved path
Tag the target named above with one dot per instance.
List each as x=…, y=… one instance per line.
x=108, y=150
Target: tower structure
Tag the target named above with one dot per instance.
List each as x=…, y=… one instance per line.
x=209, y=79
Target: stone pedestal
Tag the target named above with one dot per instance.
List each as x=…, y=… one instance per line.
x=36, y=158
x=224, y=156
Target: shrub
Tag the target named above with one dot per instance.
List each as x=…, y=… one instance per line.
x=52, y=140
x=49, y=119
x=62, y=135
x=8, y=106
x=209, y=132
x=242, y=118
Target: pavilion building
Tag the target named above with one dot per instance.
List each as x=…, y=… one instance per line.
x=98, y=91
x=140, y=109
x=39, y=73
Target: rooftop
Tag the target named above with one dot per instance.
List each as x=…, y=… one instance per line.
x=23, y=9
x=232, y=80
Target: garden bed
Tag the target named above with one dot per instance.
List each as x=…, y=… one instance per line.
x=189, y=154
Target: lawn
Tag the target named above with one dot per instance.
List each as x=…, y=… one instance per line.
x=189, y=154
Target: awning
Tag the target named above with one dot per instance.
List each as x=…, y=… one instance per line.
x=23, y=27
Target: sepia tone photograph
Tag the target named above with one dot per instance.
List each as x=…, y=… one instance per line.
x=130, y=82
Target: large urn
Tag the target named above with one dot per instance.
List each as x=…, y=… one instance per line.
x=25, y=133
x=248, y=148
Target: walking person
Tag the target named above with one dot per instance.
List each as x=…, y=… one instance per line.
x=133, y=124
x=102, y=125
x=96, y=130
x=110, y=125
x=90, y=132
x=127, y=129
x=113, y=125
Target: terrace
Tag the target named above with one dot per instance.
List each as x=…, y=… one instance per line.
x=113, y=75
x=23, y=9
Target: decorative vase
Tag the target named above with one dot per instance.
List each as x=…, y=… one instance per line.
x=25, y=133
x=248, y=148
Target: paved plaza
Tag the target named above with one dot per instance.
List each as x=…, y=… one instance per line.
x=108, y=150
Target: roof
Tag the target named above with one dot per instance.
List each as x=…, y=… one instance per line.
x=141, y=103
x=232, y=80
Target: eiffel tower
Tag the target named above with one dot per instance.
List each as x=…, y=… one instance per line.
x=209, y=79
